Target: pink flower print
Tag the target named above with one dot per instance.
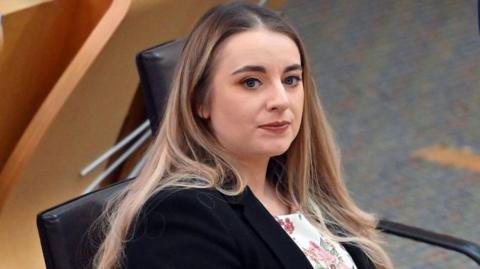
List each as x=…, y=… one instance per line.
x=319, y=254
x=286, y=224
x=289, y=227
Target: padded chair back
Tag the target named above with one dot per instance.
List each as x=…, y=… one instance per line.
x=64, y=229
x=156, y=67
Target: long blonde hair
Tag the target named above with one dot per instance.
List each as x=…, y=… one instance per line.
x=184, y=148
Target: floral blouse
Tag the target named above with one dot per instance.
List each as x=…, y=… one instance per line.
x=323, y=253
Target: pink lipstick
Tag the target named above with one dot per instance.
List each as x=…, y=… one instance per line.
x=276, y=127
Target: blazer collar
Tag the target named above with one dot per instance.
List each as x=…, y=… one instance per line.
x=285, y=249
x=265, y=225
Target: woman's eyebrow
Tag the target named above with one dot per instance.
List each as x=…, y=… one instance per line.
x=261, y=69
x=250, y=68
x=292, y=68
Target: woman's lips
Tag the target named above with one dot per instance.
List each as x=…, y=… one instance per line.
x=276, y=127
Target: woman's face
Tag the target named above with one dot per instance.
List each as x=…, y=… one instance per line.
x=256, y=94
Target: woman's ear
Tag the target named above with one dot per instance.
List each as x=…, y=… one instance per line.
x=203, y=112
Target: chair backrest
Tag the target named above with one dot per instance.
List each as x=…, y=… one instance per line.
x=156, y=67
x=64, y=229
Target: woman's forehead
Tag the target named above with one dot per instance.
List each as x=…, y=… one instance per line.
x=258, y=47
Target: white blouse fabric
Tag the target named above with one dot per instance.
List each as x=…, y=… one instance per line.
x=320, y=251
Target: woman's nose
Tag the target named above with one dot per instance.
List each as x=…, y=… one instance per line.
x=278, y=97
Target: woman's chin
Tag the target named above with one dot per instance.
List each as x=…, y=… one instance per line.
x=277, y=150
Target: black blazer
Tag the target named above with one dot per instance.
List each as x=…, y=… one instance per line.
x=203, y=228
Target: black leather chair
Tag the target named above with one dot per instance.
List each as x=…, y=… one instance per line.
x=65, y=235
x=156, y=67
x=63, y=229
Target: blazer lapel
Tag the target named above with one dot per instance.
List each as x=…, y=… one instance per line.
x=359, y=257
x=284, y=248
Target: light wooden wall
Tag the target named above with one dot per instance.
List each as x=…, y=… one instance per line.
x=39, y=42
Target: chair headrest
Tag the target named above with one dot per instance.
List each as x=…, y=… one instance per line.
x=156, y=67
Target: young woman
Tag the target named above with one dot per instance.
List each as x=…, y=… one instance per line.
x=244, y=171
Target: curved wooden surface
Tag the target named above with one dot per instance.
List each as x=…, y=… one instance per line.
x=12, y=6
x=60, y=92
x=1, y=36
x=40, y=39
x=18, y=243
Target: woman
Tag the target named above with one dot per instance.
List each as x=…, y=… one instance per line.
x=244, y=171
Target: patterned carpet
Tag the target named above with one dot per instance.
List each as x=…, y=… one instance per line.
x=395, y=77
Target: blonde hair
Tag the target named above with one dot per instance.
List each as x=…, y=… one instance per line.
x=308, y=174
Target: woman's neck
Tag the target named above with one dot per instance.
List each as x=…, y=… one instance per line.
x=254, y=173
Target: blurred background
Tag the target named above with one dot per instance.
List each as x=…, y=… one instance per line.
x=400, y=81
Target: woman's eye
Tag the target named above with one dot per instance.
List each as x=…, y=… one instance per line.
x=251, y=83
x=292, y=80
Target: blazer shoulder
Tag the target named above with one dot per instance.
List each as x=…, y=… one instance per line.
x=179, y=228
x=192, y=205
x=185, y=198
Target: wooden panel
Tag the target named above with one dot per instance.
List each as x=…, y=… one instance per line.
x=40, y=41
x=11, y=6
x=135, y=116
x=34, y=81
x=1, y=36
